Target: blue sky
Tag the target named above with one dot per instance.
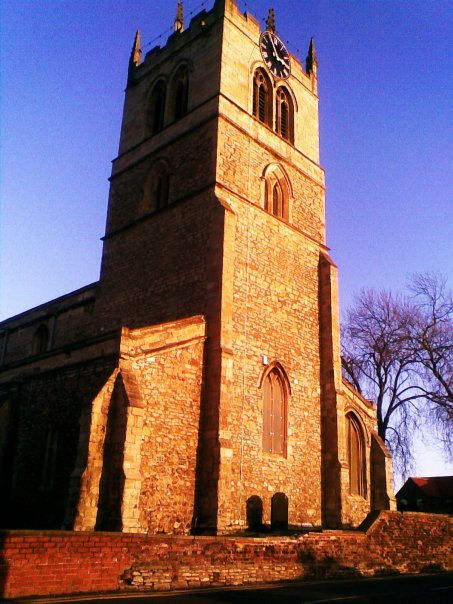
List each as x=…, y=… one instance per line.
x=386, y=110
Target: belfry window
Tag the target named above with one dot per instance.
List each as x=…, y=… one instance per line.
x=356, y=456
x=262, y=104
x=156, y=111
x=180, y=93
x=274, y=413
x=284, y=114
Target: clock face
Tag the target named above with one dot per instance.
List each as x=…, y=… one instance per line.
x=275, y=55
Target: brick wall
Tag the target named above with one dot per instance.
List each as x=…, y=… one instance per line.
x=44, y=563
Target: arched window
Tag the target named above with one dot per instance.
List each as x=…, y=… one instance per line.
x=356, y=456
x=277, y=200
x=276, y=192
x=162, y=190
x=284, y=114
x=156, y=110
x=40, y=340
x=262, y=97
x=274, y=413
x=180, y=93
x=156, y=191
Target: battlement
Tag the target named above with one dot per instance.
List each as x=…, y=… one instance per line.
x=199, y=25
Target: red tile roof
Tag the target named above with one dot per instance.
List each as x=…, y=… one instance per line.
x=435, y=486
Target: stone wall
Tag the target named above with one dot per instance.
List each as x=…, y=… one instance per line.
x=41, y=443
x=46, y=563
x=274, y=318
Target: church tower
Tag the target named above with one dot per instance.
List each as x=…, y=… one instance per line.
x=220, y=403
x=217, y=209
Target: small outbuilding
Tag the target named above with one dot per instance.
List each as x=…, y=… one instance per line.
x=429, y=494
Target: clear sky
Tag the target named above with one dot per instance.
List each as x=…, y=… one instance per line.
x=386, y=111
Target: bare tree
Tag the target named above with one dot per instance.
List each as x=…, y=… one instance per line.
x=379, y=361
x=431, y=332
x=398, y=352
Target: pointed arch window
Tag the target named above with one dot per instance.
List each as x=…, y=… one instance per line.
x=162, y=190
x=277, y=200
x=262, y=99
x=40, y=342
x=356, y=456
x=284, y=114
x=276, y=193
x=156, y=112
x=156, y=190
x=274, y=413
x=180, y=93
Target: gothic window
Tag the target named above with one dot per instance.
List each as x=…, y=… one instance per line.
x=284, y=114
x=276, y=193
x=40, y=340
x=156, y=193
x=277, y=200
x=180, y=93
x=162, y=190
x=156, y=110
x=274, y=413
x=356, y=456
x=262, y=99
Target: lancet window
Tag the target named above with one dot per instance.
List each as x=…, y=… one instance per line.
x=40, y=340
x=276, y=192
x=262, y=97
x=156, y=112
x=356, y=456
x=180, y=92
x=275, y=399
x=284, y=114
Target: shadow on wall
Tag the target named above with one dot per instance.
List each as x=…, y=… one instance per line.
x=111, y=486
x=204, y=521
x=324, y=567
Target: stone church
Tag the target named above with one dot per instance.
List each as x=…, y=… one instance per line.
x=197, y=386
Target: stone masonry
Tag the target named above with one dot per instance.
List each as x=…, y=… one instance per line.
x=144, y=402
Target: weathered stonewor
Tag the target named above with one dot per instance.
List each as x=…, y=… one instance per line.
x=198, y=383
x=48, y=563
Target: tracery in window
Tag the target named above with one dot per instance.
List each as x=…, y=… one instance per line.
x=356, y=456
x=284, y=114
x=180, y=93
x=262, y=97
x=277, y=191
x=275, y=397
x=156, y=109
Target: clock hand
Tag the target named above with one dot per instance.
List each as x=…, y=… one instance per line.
x=273, y=46
x=276, y=54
